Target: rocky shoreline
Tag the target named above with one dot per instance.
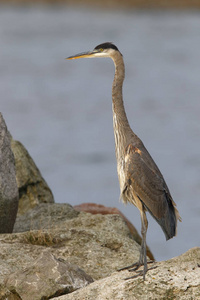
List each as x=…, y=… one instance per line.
x=61, y=252
x=66, y=254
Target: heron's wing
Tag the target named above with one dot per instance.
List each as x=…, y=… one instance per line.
x=145, y=180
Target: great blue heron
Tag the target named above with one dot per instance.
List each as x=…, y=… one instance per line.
x=141, y=182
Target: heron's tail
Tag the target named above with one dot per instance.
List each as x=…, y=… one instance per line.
x=168, y=222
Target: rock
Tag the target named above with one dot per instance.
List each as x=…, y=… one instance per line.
x=45, y=216
x=5, y=294
x=94, y=208
x=47, y=277
x=98, y=244
x=177, y=278
x=32, y=187
x=8, y=185
x=60, y=237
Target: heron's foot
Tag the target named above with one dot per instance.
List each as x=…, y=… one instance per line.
x=140, y=273
x=138, y=265
x=135, y=266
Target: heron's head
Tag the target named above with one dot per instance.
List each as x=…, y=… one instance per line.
x=102, y=50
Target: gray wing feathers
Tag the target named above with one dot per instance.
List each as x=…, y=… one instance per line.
x=144, y=178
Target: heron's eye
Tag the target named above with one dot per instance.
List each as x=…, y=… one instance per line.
x=101, y=49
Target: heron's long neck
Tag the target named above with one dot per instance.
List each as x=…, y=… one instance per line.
x=120, y=121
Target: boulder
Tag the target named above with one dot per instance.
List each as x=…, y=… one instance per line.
x=94, y=208
x=47, y=277
x=59, y=235
x=177, y=278
x=98, y=244
x=45, y=216
x=33, y=189
x=8, y=185
x=63, y=250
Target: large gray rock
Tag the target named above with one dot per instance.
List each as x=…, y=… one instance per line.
x=59, y=238
x=33, y=189
x=48, y=276
x=45, y=216
x=8, y=185
x=98, y=244
x=177, y=278
x=94, y=208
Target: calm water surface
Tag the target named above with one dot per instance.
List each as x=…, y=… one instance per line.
x=61, y=110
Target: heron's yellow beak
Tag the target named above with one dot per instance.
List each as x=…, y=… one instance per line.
x=84, y=55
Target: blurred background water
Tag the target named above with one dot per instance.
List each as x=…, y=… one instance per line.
x=61, y=110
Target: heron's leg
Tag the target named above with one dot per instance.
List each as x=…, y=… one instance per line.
x=143, y=252
x=143, y=255
x=142, y=259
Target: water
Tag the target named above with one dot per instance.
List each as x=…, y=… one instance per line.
x=61, y=110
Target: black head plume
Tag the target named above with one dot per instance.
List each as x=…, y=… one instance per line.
x=106, y=46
